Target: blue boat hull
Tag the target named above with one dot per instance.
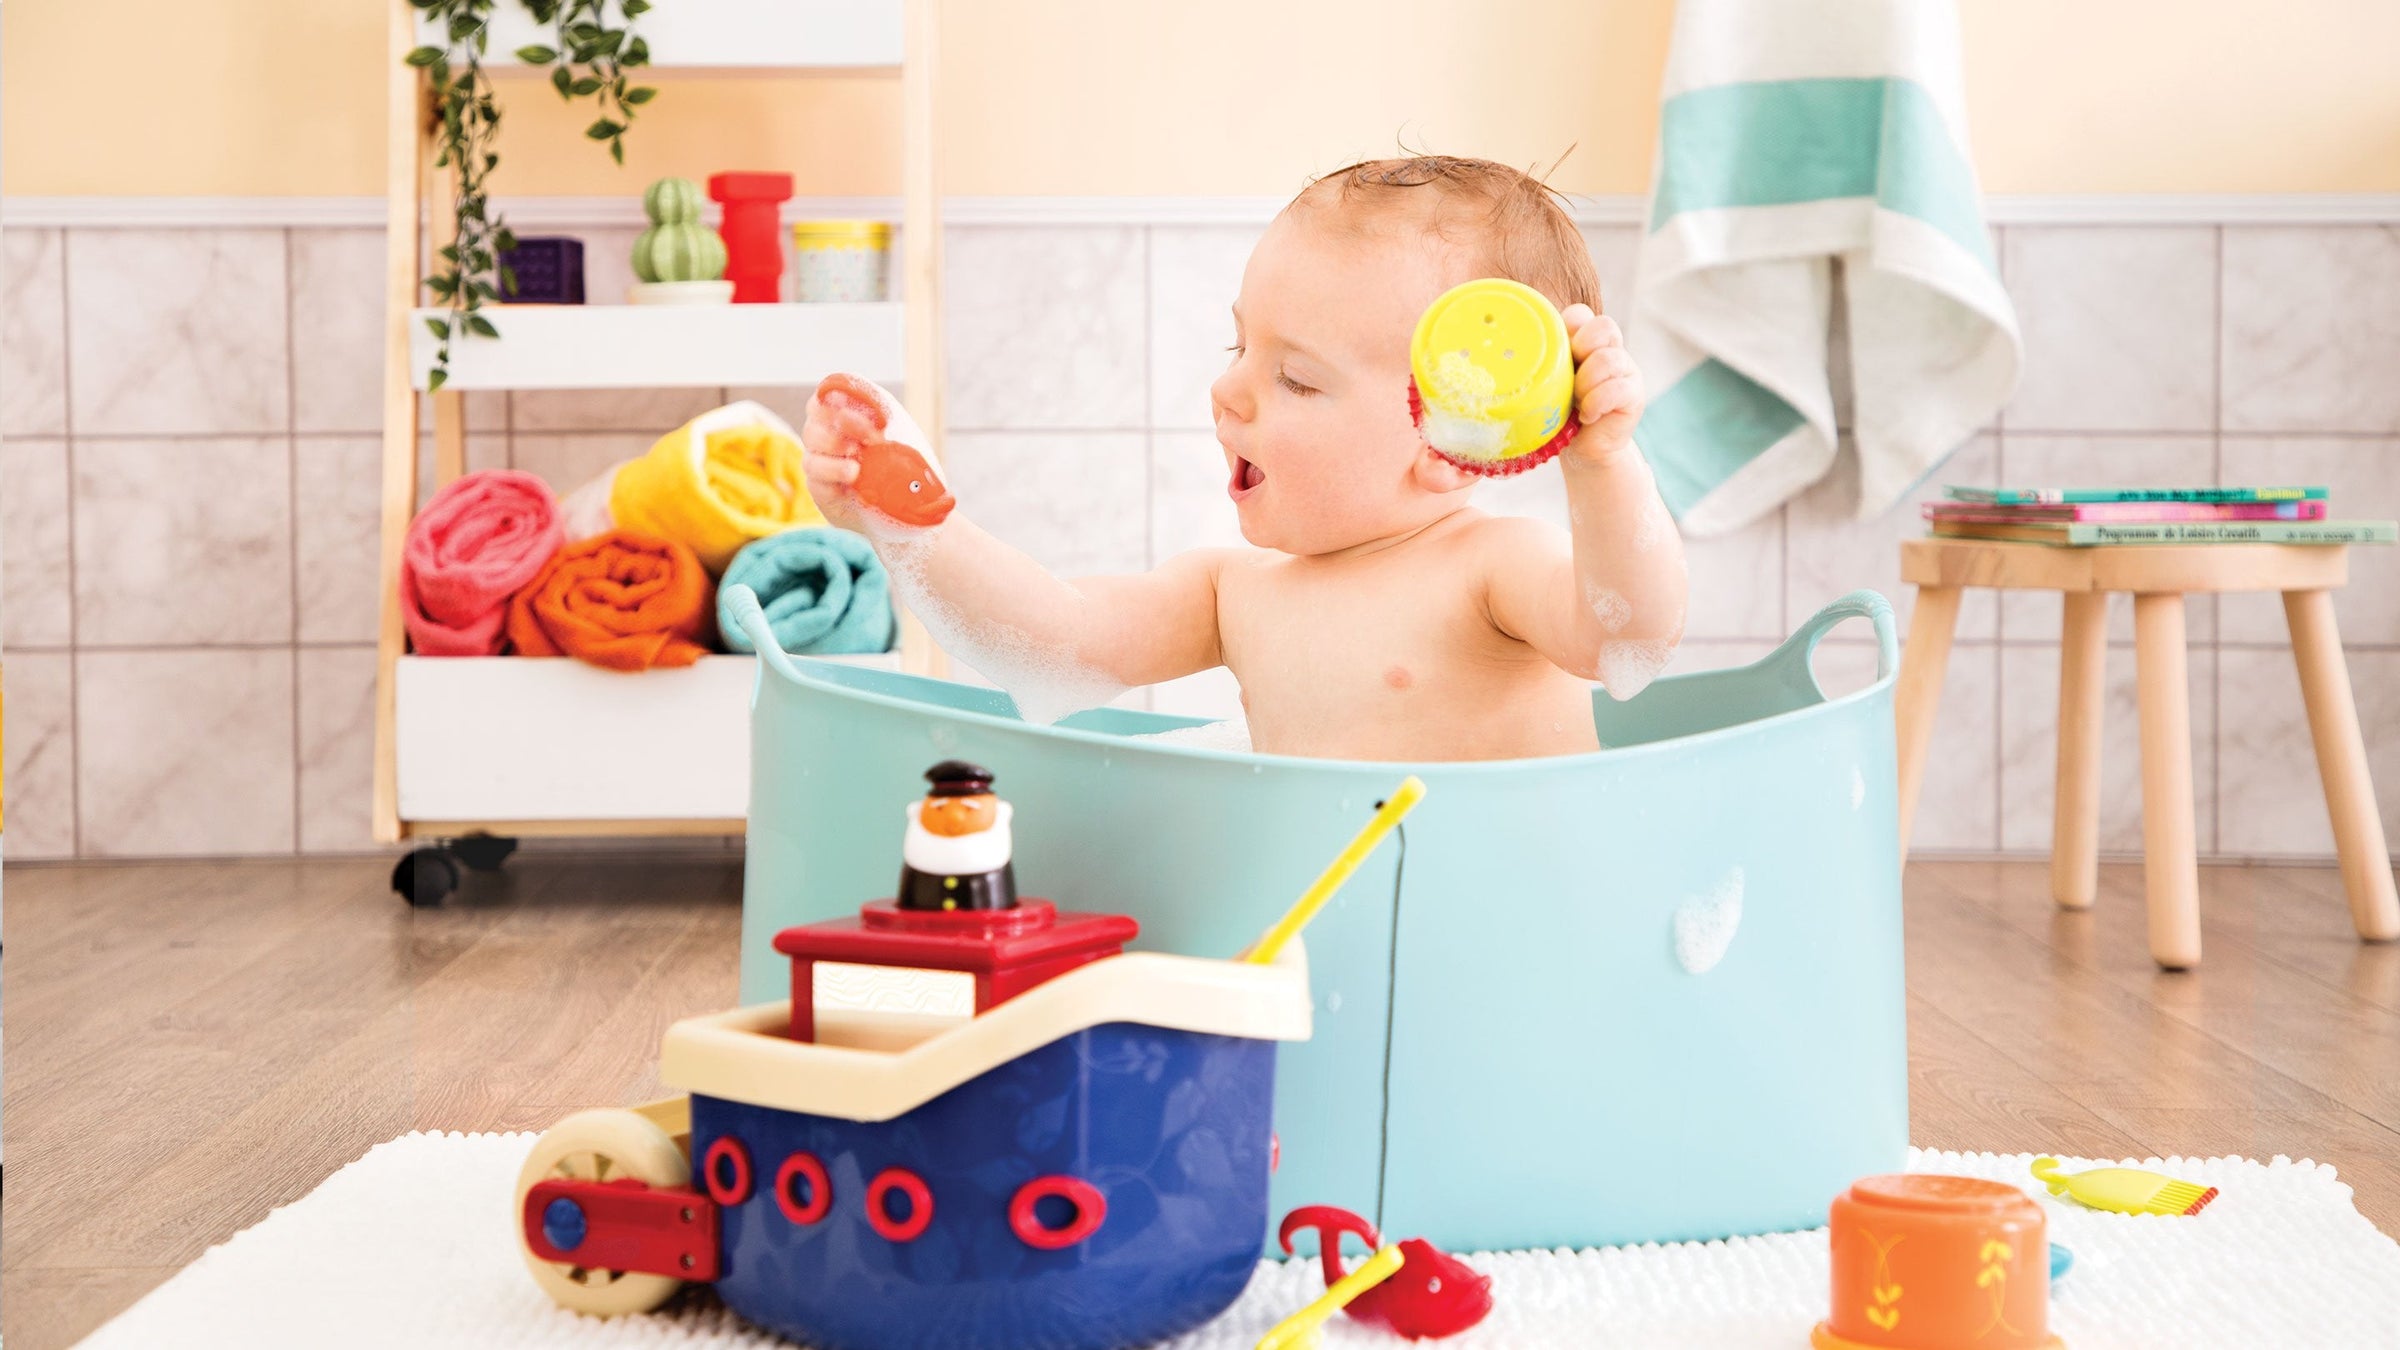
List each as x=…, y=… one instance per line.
x=1173, y=1128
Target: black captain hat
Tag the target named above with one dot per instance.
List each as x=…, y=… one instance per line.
x=957, y=778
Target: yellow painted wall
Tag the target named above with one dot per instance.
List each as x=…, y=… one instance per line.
x=1200, y=97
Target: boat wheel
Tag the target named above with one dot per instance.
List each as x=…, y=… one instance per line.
x=602, y=1145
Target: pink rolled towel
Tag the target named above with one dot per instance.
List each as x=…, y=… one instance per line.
x=478, y=542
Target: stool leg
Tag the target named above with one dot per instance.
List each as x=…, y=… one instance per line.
x=2342, y=762
x=2082, y=689
x=2170, y=855
x=1919, y=691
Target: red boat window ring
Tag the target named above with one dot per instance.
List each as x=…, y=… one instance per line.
x=920, y=1205
x=725, y=1169
x=803, y=1166
x=1090, y=1208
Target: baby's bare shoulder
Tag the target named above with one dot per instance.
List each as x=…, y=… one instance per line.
x=1512, y=539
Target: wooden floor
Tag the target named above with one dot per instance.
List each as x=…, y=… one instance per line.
x=189, y=1046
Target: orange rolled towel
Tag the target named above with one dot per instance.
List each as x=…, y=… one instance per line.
x=622, y=600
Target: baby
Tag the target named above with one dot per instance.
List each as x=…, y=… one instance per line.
x=1379, y=616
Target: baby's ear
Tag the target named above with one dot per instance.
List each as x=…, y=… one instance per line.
x=1436, y=474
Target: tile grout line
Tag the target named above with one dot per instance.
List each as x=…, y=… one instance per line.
x=291, y=413
x=66, y=357
x=2216, y=632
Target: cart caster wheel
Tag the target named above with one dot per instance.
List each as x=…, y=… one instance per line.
x=483, y=852
x=425, y=877
x=602, y=1145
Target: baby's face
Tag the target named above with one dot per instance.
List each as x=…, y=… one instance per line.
x=1313, y=412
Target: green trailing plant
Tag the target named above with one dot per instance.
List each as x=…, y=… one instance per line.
x=677, y=247
x=590, y=60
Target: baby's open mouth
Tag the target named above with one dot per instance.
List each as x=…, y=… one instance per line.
x=1246, y=478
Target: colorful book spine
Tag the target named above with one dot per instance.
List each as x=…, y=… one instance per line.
x=2074, y=496
x=2123, y=513
x=2204, y=532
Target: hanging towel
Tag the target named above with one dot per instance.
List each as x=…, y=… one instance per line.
x=824, y=590
x=716, y=483
x=475, y=544
x=1793, y=136
x=622, y=600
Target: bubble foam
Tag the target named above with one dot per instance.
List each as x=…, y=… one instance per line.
x=1705, y=925
x=1627, y=667
x=1610, y=608
x=1045, y=683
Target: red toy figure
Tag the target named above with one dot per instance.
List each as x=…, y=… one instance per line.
x=752, y=233
x=1432, y=1294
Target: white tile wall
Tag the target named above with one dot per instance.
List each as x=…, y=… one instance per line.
x=41, y=756
x=2120, y=328
x=1077, y=502
x=2312, y=332
x=193, y=674
x=184, y=752
x=33, y=335
x=337, y=521
x=183, y=542
x=178, y=332
x=1044, y=328
x=34, y=590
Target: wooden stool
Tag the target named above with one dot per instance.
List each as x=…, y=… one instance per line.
x=2158, y=576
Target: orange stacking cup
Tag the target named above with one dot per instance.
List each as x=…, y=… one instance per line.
x=1924, y=1262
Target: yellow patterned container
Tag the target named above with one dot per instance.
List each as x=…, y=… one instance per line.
x=1494, y=376
x=845, y=261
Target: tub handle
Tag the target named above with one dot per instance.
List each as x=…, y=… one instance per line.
x=751, y=618
x=1866, y=604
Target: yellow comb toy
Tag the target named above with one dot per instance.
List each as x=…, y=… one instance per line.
x=1300, y=1330
x=2125, y=1190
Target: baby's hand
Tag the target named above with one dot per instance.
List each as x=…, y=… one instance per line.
x=831, y=441
x=1608, y=390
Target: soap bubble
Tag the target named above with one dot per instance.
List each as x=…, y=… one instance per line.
x=1705, y=925
x=1627, y=668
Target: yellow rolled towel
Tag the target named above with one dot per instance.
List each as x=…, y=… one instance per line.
x=715, y=483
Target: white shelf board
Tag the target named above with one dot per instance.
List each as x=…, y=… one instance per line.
x=726, y=35
x=508, y=738
x=666, y=346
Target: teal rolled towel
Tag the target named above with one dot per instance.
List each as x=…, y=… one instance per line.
x=824, y=591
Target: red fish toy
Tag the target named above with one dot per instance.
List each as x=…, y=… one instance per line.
x=1432, y=1295
x=894, y=477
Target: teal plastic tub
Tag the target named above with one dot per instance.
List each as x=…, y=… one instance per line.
x=1531, y=1029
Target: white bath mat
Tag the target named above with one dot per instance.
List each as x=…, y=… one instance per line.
x=410, y=1247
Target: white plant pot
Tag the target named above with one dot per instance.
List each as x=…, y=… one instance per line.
x=680, y=293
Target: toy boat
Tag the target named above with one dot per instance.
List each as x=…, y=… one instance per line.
x=1080, y=1164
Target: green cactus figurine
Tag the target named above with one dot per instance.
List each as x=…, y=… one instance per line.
x=677, y=247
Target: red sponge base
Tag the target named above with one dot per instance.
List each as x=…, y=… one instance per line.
x=1491, y=468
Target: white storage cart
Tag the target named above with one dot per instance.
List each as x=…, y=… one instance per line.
x=472, y=753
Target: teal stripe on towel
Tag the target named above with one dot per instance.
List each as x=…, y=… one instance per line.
x=1705, y=427
x=1777, y=142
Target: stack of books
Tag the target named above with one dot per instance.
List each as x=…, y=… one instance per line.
x=2081, y=517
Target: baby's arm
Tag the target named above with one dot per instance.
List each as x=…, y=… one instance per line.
x=1613, y=610
x=999, y=610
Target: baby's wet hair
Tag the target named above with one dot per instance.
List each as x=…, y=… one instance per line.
x=1510, y=223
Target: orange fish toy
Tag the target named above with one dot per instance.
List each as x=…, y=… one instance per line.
x=894, y=477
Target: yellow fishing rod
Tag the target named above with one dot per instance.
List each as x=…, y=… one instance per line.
x=1403, y=800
